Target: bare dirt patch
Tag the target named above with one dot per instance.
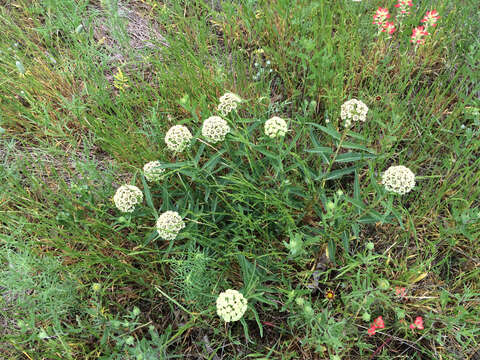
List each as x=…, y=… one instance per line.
x=126, y=34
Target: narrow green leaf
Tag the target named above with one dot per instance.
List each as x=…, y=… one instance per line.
x=294, y=142
x=356, y=135
x=332, y=248
x=257, y=319
x=245, y=329
x=150, y=237
x=267, y=153
x=314, y=139
x=398, y=216
x=148, y=196
x=346, y=241
x=357, y=203
x=210, y=164
x=356, y=192
x=177, y=165
x=351, y=156
x=320, y=150
x=333, y=133
x=337, y=173
x=351, y=145
x=356, y=187
x=188, y=173
x=199, y=153
x=356, y=230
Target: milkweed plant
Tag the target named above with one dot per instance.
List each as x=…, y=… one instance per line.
x=229, y=181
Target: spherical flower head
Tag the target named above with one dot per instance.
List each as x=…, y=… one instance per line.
x=153, y=171
x=178, y=138
x=230, y=97
x=231, y=305
x=228, y=102
x=275, y=127
x=398, y=179
x=169, y=225
x=215, y=129
x=225, y=108
x=126, y=197
x=353, y=110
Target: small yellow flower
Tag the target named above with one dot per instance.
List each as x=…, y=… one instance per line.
x=330, y=295
x=120, y=81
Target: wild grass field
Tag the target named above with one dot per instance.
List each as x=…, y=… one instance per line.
x=325, y=260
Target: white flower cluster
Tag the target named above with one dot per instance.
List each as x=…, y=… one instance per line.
x=153, y=171
x=178, y=137
x=231, y=305
x=126, y=197
x=215, y=129
x=275, y=126
x=353, y=110
x=169, y=225
x=398, y=179
x=228, y=102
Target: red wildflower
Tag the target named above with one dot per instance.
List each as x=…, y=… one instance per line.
x=403, y=6
x=431, y=18
x=381, y=16
x=378, y=323
x=417, y=324
x=417, y=35
x=401, y=292
x=403, y=3
x=389, y=27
